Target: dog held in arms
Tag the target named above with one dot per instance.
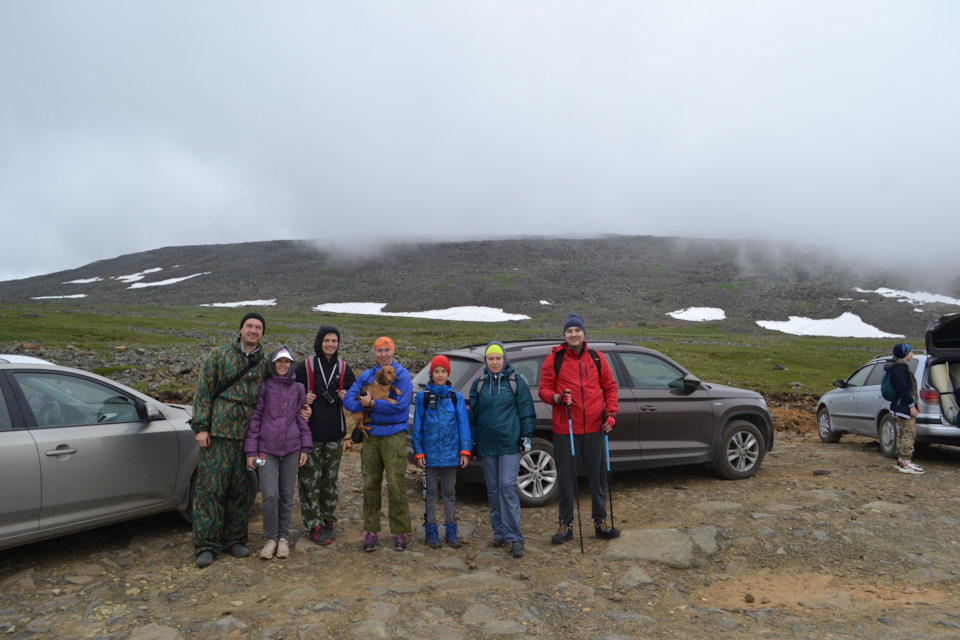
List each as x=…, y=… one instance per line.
x=379, y=389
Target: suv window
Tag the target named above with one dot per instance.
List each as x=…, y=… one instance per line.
x=529, y=370
x=649, y=372
x=462, y=371
x=876, y=377
x=5, y=423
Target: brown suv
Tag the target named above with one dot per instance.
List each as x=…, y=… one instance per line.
x=667, y=416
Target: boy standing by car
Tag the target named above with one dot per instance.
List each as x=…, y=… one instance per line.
x=580, y=386
x=904, y=407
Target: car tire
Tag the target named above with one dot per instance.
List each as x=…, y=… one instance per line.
x=253, y=486
x=825, y=428
x=537, y=478
x=887, y=435
x=741, y=451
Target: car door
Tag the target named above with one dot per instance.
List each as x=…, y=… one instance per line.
x=673, y=423
x=19, y=473
x=98, y=458
x=843, y=403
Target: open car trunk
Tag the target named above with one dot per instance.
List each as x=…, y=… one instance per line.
x=942, y=341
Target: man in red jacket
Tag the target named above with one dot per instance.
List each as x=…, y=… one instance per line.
x=583, y=393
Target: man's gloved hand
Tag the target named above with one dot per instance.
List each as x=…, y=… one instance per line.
x=608, y=424
x=565, y=397
x=525, y=444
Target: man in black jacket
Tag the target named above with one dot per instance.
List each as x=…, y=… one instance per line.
x=331, y=377
x=904, y=407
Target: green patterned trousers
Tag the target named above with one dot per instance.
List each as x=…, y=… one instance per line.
x=220, y=501
x=385, y=454
x=319, y=488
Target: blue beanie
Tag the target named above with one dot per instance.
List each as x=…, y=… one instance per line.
x=901, y=350
x=574, y=321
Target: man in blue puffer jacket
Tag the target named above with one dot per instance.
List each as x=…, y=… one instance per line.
x=441, y=443
x=384, y=449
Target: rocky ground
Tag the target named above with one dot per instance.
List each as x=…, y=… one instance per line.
x=827, y=541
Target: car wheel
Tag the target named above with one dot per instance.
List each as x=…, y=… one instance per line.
x=253, y=486
x=825, y=429
x=887, y=435
x=741, y=450
x=537, y=479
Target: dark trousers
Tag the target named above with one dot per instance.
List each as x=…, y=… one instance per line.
x=220, y=501
x=591, y=459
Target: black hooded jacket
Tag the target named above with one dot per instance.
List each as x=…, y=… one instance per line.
x=327, y=424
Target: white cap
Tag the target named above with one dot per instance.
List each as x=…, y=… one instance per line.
x=283, y=352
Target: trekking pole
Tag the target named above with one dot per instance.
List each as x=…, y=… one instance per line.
x=576, y=483
x=606, y=442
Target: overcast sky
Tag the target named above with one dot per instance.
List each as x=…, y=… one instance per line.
x=132, y=125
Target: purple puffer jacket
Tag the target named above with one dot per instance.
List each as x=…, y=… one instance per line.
x=276, y=426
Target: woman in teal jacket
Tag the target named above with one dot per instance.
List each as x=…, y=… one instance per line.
x=502, y=418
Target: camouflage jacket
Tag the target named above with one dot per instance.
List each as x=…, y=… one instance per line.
x=230, y=415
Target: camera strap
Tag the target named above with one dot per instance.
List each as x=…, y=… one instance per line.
x=326, y=380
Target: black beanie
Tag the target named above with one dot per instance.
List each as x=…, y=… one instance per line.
x=318, y=343
x=255, y=316
x=574, y=321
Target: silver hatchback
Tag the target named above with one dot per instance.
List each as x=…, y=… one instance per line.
x=78, y=451
x=857, y=407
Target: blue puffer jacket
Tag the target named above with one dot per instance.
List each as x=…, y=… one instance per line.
x=441, y=434
x=498, y=418
x=386, y=418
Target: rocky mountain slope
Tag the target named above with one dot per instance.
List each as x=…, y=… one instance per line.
x=628, y=281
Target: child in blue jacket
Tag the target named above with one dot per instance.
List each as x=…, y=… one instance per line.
x=441, y=442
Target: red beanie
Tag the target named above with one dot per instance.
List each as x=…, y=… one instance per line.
x=439, y=361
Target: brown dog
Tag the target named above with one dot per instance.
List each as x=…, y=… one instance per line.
x=379, y=389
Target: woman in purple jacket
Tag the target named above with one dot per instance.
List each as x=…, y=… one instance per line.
x=278, y=442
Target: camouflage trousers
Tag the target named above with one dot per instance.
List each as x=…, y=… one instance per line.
x=319, y=488
x=385, y=454
x=220, y=500
x=906, y=434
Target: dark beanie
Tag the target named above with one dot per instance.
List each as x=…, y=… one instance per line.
x=574, y=321
x=321, y=333
x=901, y=350
x=255, y=316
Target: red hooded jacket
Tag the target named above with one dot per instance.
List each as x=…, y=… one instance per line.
x=594, y=393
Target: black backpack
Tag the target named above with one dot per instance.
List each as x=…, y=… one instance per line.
x=428, y=397
x=558, y=361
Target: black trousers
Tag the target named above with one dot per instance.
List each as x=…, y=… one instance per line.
x=591, y=459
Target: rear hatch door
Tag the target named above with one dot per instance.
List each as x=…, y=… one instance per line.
x=943, y=337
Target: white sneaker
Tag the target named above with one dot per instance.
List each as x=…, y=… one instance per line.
x=283, y=549
x=267, y=552
x=905, y=466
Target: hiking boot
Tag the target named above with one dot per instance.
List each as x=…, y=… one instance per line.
x=283, y=548
x=905, y=466
x=204, y=559
x=268, y=549
x=497, y=543
x=451, y=535
x=322, y=534
x=564, y=533
x=399, y=542
x=237, y=550
x=370, y=541
x=432, y=536
x=604, y=532
x=517, y=549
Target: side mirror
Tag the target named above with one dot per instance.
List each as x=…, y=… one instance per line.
x=688, y=382
x=840, y=384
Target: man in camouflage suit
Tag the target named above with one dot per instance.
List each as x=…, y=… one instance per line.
x=220, y=501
